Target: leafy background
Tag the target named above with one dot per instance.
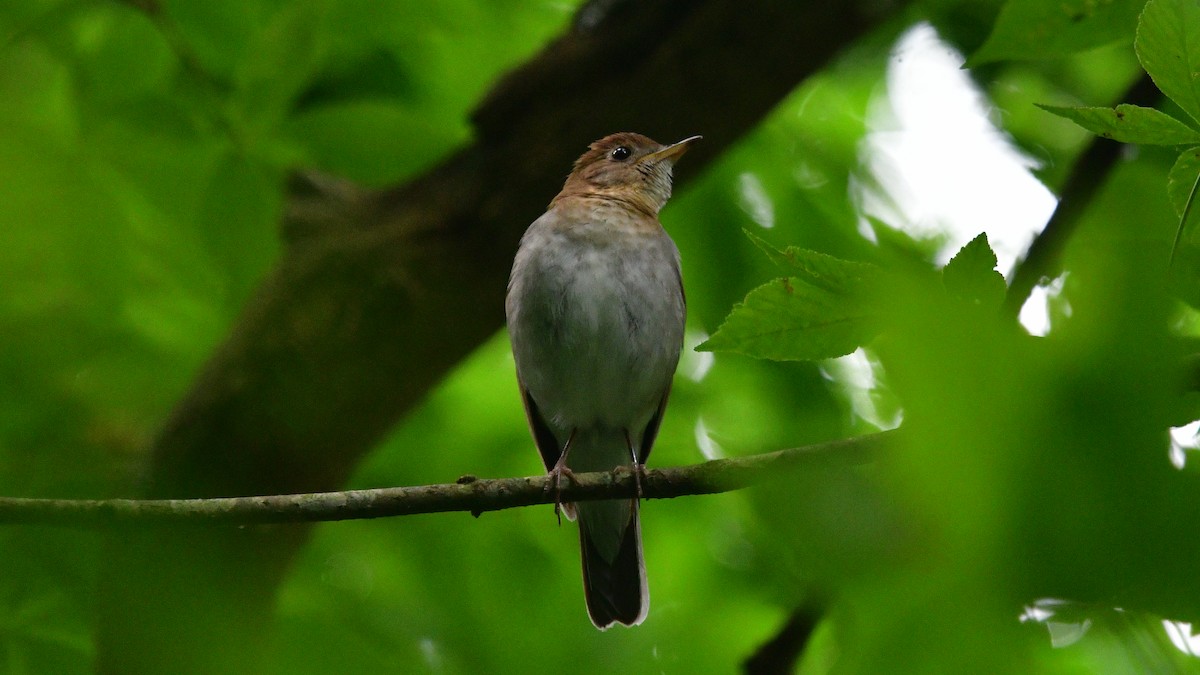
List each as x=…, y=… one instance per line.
x=143, y=165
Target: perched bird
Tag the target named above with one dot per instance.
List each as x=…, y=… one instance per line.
x=595, y=312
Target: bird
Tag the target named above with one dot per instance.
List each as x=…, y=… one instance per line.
x=595, y=311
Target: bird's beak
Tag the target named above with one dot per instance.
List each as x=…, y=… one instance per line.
x=672, y=151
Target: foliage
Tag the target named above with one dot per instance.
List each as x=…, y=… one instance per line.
x=820, y=311
x=1030, y=29
x=142, y=180
x=1168, y=46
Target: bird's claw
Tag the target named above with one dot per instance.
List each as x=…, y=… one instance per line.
x=556, y=474
x=639, y=473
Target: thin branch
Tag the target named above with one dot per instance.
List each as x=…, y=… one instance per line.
x=468, y=494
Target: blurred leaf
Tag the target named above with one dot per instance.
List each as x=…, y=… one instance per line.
x=1129, y=124
x=236, y=217
x=1039, y=443
x=1037, y=29
x=218, y=33
x=36, y=95
x=838, y=523
x=1168, y=45
x=971, y=274
x=281, y=60
x=377, y=75
x=373, y=141
x=123, y=55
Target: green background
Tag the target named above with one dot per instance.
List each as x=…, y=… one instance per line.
x=143, y=164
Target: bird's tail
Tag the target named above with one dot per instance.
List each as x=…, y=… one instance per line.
x=610, y=535
x=614, y=572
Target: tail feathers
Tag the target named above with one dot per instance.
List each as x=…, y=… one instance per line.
x=615, y=590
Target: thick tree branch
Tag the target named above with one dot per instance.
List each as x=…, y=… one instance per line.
x=468, y=494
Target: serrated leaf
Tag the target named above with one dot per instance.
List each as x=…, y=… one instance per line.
x=971, y=274
x=1182, y=178
x=775, y=255
x=819, y=269
x=790, y=320
x=1129, y=124
x=1168, y=45
x=1038, y=29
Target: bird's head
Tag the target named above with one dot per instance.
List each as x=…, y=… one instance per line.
x=626, y=167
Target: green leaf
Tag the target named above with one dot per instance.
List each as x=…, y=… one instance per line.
x=1129, y=124
x=819, y=269
x=218, y=33
x=790, y=320
x=281, y=60
x=1168, y=45
x=1183, y=178
x=971, y=274
x=1183, y=184
x=1038, y=29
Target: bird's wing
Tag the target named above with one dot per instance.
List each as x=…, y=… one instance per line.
x=547, y=444
x=651, y=431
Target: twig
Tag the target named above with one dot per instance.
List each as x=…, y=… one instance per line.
x=468, y=494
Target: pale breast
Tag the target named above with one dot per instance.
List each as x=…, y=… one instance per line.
x=597, y=322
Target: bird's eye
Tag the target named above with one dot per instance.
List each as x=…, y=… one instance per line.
x=621, y=153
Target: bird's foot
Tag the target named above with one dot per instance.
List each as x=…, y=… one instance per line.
x=639, y=473
x=556, y=474
x=639, y=469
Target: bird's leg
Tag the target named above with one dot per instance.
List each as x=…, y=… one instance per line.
x=559, y=470
x=639, y=469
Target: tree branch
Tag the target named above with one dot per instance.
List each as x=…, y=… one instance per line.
x=780, y=654
x=468, y=494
